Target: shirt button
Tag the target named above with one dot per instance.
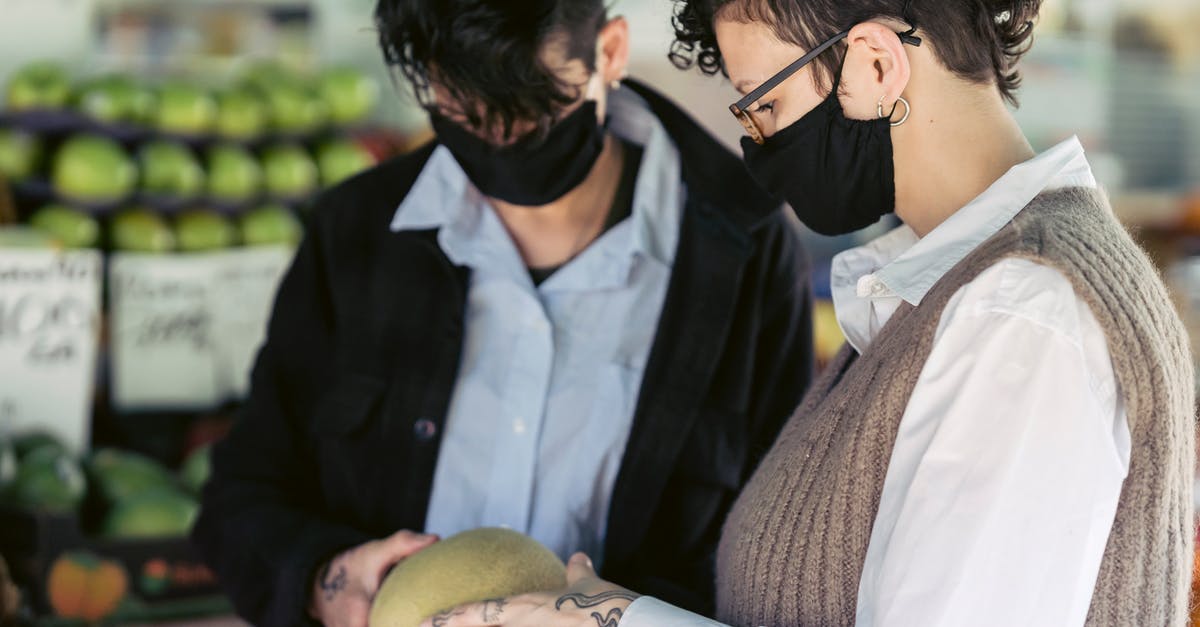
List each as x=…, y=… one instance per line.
x=518, y=426
x=424, y=430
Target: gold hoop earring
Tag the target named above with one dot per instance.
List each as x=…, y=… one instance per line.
x=907, y=110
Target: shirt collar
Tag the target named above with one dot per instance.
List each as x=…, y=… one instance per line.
x=870, y=281
x=443, y=198
x=909, y=267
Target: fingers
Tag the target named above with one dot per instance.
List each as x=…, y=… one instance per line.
x=404, y=543
x=579, y=568
x=387, y=552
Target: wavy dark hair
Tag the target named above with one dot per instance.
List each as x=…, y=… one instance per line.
x=486, y=54
x=979, y=40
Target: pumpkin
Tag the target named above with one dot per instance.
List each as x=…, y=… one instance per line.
x=82, y=585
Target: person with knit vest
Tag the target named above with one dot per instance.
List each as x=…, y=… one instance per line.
x=1007, y=437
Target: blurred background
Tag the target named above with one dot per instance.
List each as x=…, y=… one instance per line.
x=156, y=161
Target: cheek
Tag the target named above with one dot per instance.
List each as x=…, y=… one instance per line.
x=795, y=103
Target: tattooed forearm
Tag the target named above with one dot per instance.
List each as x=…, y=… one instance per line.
x=332, y=583
x=585, y=600
x=612, y=620
x=492, y=609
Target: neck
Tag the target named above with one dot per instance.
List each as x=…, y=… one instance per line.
x=951, y=152
x=552, y=234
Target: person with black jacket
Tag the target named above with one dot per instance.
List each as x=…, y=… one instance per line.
x=573, y=314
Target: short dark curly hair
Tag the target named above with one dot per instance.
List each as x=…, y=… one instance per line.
x=486, y=54
x=979, y=40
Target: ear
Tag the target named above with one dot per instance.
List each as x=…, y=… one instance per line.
x=877, y=67
x=612, y=60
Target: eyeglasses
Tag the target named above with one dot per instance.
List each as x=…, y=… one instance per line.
x=740, y=109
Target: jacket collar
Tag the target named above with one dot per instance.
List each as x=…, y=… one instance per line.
x=710, y=171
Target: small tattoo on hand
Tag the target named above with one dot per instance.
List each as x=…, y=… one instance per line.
x=492, y=609
x=443, y=619
x=331, y=585
x=612, y=620
x=583, y=601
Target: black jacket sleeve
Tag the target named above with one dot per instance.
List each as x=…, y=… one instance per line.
x=259, y=526
x=770, y=360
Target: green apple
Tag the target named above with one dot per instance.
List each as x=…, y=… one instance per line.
x=93, y=169
x=119, y=475
x=19, y=154
x=152, y=514
x=263, y=74
x=241, y=114
x=142, y=231
x=40, y=85
x=71, y=228
x=203, y=230
x=350, y=94
x=234, y=175
x=290, y=172
x=270, y=225
x=170, y=169
x=115, y=98
x=185, y=109
x=295, y=109
x=340, y=159
x=30, y=441
x=48, y=479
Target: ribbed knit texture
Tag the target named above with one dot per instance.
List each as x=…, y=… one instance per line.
x=793, y=547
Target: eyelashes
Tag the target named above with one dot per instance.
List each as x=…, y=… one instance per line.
x=767, y=107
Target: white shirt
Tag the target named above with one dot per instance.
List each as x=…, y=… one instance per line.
x=550, y=374
x=1009, y=460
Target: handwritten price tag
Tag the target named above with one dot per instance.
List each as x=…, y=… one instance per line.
x=164, y=342
x=49, y=324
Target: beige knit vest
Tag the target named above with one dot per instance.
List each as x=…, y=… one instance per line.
x=793, y=547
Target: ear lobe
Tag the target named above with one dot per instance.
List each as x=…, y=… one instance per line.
x=876, y=67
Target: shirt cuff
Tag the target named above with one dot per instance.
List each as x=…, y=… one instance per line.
x=650, y=612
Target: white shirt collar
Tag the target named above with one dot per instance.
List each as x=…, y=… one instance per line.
x=443, y=197
x=898, y=265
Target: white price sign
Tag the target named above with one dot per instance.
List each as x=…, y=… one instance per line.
x=49, y=330
x=164, y=343
x=244, y=296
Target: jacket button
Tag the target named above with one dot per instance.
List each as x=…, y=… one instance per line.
x=424, y=430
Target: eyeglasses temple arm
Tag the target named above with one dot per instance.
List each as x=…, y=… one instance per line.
x=787, y=72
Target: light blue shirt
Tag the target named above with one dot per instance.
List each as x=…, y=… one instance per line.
x=550, y=374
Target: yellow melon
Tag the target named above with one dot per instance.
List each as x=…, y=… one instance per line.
x=471, y=566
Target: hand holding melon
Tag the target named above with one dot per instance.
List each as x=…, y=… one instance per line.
x=586, y=601
x=345, y=587
x=471, y=566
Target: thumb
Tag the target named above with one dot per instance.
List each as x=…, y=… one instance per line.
x=403, y=543
x=389, y=551
x=579, y=568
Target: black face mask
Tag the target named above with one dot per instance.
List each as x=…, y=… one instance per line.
x=534, y=171
x=836, y=173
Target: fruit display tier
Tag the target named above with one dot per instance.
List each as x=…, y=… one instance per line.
x=102, y=536
x=268, y=136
